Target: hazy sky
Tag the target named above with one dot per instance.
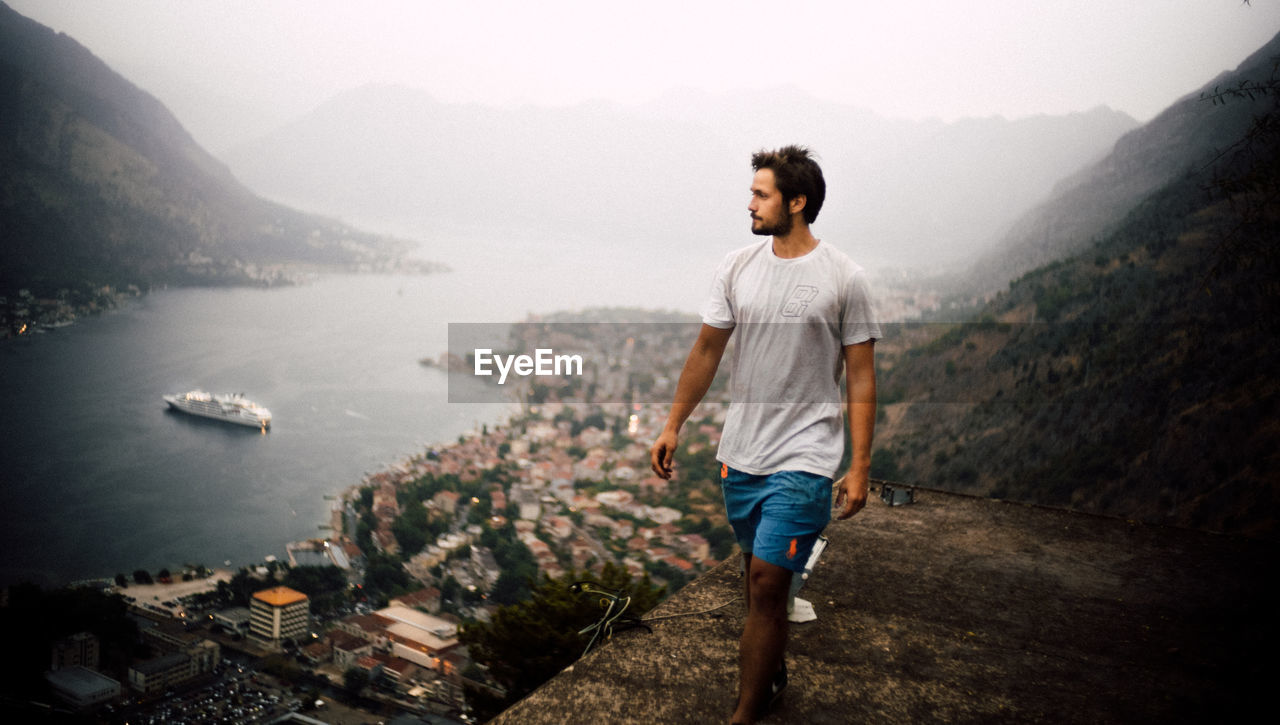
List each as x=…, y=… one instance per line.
x=233, y=69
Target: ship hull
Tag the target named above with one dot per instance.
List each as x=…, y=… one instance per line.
x=225, y=408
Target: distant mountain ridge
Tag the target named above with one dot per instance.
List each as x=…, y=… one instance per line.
x=101, y=185
x=669, y=175
x=1184, y=139
x=1134, y=374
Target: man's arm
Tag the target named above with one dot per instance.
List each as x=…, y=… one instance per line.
x=699, y=370
x=860, y=383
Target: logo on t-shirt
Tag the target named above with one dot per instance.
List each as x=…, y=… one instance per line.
x=799, y=300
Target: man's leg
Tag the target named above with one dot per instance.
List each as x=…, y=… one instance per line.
x=764, y=637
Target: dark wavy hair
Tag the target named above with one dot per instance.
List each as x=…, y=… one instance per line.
x=797, y=174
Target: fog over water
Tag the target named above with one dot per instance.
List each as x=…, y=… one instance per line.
x=101, y=478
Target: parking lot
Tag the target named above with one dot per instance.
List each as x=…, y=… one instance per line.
x=233, y=700
x=158, y=593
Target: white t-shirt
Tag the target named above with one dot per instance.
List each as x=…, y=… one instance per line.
x=791, y=319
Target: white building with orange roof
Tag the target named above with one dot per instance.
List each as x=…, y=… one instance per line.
x=278, y=614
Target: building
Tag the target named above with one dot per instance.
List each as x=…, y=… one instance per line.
x=317, y=552
x=317, y=653
x=204, y=655
x=347, y=649
x=427, y=599
x=82, y=688
x=398, y=672
x=165, y=633
x=80, y=649
x=158, y=674
x=405, y=633
x=161, y=673
x=418, y=637
x=367, y=627
x=233, y=619
x=279, y=614
x=446, y=501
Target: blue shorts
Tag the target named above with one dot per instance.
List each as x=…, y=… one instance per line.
x=777, y=517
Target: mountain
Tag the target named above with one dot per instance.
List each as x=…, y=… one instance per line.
x=668, y=177
x=1185, y=139
x=100, y=185
x=1135, y=377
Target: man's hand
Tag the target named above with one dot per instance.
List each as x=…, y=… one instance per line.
x=695, y=378
x=860, y=373
x=664, y=449
x=851, y=494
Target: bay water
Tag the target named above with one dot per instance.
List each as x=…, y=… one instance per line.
x=98, y=477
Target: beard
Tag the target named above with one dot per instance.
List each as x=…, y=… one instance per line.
x=780, y=228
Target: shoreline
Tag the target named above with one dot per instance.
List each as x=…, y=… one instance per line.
x=331, y=529
x=324, y=496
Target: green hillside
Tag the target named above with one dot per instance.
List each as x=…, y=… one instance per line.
x=1135, y=378
x=1090, y=204
x=101, y=185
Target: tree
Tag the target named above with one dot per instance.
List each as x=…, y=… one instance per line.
x=122, y=581
x=354, y=680
x=884, y=465
x=315, y=581
x=722, y=541
x=411, y=529
x=1244, y=175
x=510, y=588
x=450, y=589
x=364, y=537
x=325, y=585
x=242, y=587
x=142, y=576
x=384, y=577
x=515, y=562
x=479, y=511
x=528, y=642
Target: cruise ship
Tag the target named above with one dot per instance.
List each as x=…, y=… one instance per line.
x=232, y=408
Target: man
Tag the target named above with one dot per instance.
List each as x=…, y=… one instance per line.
x=802, y=313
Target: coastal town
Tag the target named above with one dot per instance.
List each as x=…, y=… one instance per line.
x=372, y=613
x=29, y=311
x=370, y=619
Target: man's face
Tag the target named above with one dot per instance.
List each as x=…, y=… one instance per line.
x=769, y=215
